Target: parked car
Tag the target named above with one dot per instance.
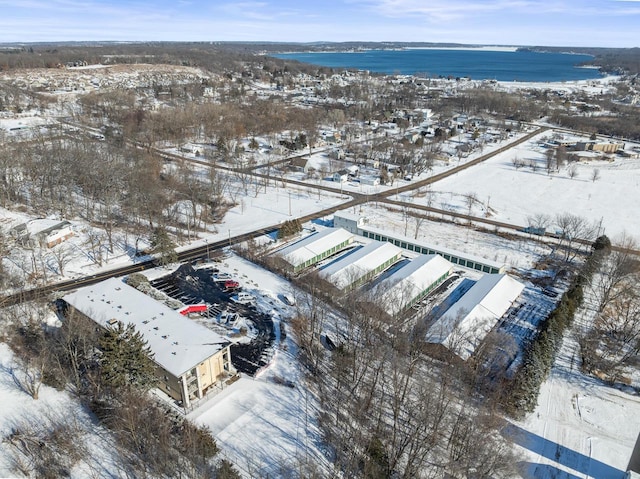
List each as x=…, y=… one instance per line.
x=230, y=284
x=244, y=298
x=221, y=276
x=288, y=299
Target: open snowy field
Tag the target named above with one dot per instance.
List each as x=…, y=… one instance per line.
x=581, y=428
x=515, y=253
x=512, y=195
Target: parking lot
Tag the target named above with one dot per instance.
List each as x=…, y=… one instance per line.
x=197, y=286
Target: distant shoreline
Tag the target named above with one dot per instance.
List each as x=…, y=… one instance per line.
x=485, y=48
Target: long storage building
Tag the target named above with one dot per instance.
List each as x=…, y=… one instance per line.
x=361, y=265
x=466, y=323
x=357, y=224
x=314, y=248
x=411, y=283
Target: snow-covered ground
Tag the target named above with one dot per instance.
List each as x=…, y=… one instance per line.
x=512, y=195
x=515, y=253
x=581, y=428
x=267, y=425
x=19, y=411
x=263, y=209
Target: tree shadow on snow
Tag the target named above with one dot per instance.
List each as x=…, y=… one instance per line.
x=562, y=455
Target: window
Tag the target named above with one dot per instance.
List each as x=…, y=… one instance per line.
x=485, y=269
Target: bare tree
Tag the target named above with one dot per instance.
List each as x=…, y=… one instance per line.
x=63, y=254
x=595, y=175
x=572, y=230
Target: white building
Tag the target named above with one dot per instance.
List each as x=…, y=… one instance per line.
x=361, y=265
x=357, y=224
x=315, y=248
x=190, y=358
x=409, y=284
x=466, y=323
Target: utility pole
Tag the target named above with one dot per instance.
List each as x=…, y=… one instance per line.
x=289, y=203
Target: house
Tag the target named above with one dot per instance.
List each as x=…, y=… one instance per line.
x=300, y=164
x=191, y=360
x=370, y=180
x=353, y=170
x=465, y=324
x=341, y=176
x=42, y=232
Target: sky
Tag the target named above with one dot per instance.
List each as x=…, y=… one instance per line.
x=595, y=23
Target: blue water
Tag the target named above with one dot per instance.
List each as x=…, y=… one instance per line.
x=477, y=64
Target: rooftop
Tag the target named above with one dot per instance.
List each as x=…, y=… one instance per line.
x=411, y=280
x=357, y=264
x=178, y=343
x=465, y=324
x=314, y=245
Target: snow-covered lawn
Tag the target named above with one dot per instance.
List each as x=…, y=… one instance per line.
x=581, y=428
x=512, y=195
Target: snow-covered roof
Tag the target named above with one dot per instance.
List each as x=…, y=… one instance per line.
x=314, y=245
x=467, y=322
x=353, y=266
x=39, y=226
x=410, y=281
x=439, y=249
x=178, y=343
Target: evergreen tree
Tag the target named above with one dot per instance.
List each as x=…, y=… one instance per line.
x=126, y=359
x=163, y=246
x=602, y=243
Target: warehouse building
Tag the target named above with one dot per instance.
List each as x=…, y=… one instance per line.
x=190, y=359
x=466, y=323
x=315, y=248
x=361, y=265
x=411, y=283
x=356, y=224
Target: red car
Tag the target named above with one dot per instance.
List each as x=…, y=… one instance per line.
x=231, y=284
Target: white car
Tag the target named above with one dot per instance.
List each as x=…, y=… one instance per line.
x=288, y=299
